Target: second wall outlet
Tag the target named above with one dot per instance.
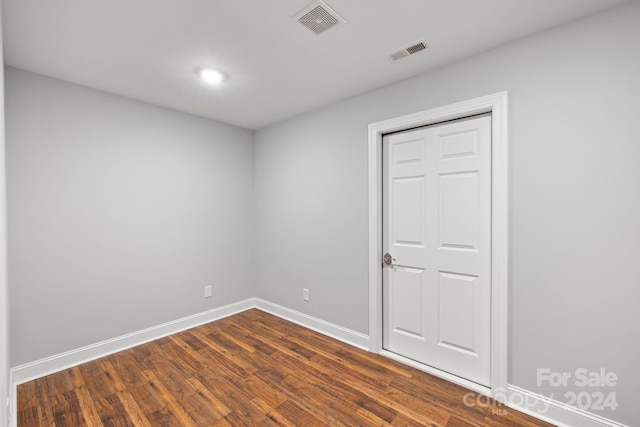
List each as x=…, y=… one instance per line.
x=305, y=294
x=207, y=291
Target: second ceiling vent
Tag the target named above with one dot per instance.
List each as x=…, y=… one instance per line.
x=409, y=50
x=318, y=17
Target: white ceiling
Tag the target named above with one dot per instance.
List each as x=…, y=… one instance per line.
x=149, y=49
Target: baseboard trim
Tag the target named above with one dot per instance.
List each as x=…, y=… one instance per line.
x=553, y=411
x=49, y=365
x=39, y=368
x=522, y=400
x=329, y=329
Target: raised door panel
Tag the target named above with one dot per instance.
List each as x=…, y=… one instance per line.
x=407, y=315
x=407, y=212
x=457, y=312
x=458, y=211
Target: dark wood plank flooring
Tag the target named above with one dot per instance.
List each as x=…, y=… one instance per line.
x=251, y=369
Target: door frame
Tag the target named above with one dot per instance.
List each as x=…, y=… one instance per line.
x=496, y=104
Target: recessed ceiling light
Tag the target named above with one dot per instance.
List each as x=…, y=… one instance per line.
x=211, y=76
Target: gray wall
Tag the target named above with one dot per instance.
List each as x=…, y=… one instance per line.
x=4, y=302
x=574, y=96
x=119, y=214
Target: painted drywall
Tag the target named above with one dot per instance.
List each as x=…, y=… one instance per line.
x=119, y=214
x=4, y=300
x=574, y=95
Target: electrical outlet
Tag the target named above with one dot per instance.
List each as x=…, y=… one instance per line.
x=305, y=294
x=207, y=291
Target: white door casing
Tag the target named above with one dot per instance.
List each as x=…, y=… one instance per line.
x=437, y=227
x=496, y=104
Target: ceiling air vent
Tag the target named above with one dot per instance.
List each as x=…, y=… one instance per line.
x=318, y=17
x=409, y=50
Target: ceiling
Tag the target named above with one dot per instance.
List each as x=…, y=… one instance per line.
x=150, y=49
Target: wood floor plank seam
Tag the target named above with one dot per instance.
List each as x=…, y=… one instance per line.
x=251, y=369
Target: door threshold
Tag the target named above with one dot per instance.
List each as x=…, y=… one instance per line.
x=438, y=373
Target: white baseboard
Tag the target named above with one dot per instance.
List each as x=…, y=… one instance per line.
x=40, y=368
x=518, y=398
x=58, y=362
x=554, y=412
x=329, y=329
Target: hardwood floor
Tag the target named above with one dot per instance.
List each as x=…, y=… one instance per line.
x=251, y=369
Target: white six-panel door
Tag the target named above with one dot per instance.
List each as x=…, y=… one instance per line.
x=437, y=229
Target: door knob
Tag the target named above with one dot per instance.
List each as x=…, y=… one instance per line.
x=387, y=259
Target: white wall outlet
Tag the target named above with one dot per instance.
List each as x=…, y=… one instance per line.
x=305, y=294
x=207, y=291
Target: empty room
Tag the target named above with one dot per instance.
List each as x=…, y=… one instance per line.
x=310, y=213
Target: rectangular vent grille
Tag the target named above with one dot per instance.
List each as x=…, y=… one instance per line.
x=416, y=48
x=318, y=17
x=399, y=55
x=410, y=50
